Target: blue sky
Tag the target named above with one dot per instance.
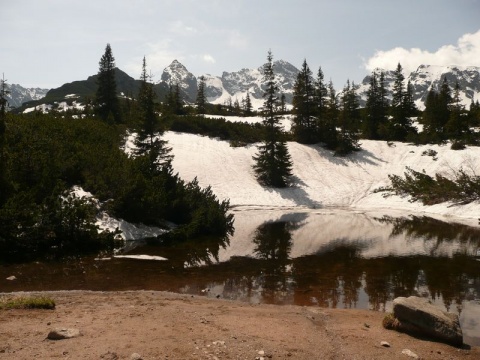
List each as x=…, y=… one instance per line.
x=47, y=43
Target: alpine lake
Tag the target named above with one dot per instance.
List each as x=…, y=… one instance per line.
x=326, y=258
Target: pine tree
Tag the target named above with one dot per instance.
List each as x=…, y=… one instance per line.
x=457, y=127
x=201, y=100
x=400, y=124
x=375, y=121
x=304, y=121
x=106, y=100
x=3, y=117
x=248, y=105
x=328, y=132
x=174, y=100
x=148, y=141
x=347, y=138
x=273, y=166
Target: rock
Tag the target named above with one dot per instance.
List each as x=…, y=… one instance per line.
x=11, y=278
x=63, y=333
x=409, y=353
x=261, y=353
x=385, y=344
x=136, y=356
x=109, y=356
x=418, y=316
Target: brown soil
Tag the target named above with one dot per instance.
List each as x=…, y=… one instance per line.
x=159, y=325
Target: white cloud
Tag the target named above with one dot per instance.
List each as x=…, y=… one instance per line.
x=237, y=41
x=158, y=56
x=179, y=28
x=465, y=53
x=208, y=59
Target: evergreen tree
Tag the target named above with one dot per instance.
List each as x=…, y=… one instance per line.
x=304, y=121
x=432, y=129
x=148, y=141
x=248, y=105
x=347, y=138
x=401, y=107
x=174, y=100
x=328, y=130
x=201, y=101
x=106, y=100
x=457, y=127
x=273, y=166
x=375, y=121
x=3, y=116
x=283, y=104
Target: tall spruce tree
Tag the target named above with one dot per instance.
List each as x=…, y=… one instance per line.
x=248, y=105
x=3, y=117
x=328, y=130
x=347, y=138
x=106, y=101
x=375, y=121
x=304, y=120
x=201, y=100
x=148, y=141
x=273, y=166
x=400, y=124
x=457, y=127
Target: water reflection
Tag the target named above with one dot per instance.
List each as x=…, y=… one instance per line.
x=336, y=259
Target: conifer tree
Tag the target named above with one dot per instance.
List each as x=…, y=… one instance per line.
x=248, y=105
x=375, y=121
x=328, y=130
x=457, y=127
x=148, y=141
x=347, y=138
x=174, y=100
x=106, y=100
x=304, y=121
x=400, y=123
x=201, y=100
x=3, y=117
x=273, y=166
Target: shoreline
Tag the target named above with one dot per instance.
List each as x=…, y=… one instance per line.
x=163, y=325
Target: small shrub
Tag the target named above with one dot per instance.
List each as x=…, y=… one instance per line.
x=27, y=302
x=389, y=322
x=458, y=145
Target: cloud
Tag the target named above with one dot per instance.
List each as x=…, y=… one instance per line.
x=208, y=59
x=158, y=56
x=465, y=53
x=237, y=41
x=179, y=28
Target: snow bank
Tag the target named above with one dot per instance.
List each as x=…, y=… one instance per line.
x=321, y=180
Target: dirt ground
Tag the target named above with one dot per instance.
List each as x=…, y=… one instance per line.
x=158, y=325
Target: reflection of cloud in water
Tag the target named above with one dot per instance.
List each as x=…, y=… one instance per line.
x=470, y=321
x=317, y=231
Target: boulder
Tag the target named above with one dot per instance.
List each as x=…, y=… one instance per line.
x=63, y=333
x=418, y=316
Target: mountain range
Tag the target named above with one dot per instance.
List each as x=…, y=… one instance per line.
x=232, y=86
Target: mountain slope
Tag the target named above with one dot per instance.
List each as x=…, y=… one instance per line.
x=428, y=77
x=322, y=180
x=19, y=95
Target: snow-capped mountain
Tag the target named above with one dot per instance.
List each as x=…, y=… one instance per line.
x=427, y=77
x=235, y=85
x=176, y=73
x=19, y=94
x=230, y=86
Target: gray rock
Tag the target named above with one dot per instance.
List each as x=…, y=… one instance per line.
x=409, y=353
x=63, y=333
x=418, y=316
x=385, y=344
x=11, y=278
x=136, y=356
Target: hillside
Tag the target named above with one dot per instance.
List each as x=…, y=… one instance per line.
x=321, y=180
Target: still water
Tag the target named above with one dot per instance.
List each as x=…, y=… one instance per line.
x=335, y=259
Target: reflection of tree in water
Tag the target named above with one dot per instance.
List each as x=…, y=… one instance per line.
x=273, y=242
x=434, y=231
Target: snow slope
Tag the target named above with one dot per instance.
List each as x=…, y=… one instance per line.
x=320, y=179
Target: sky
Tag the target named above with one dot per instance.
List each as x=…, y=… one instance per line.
x=46, y=43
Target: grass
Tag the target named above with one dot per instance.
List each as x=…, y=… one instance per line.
x=26, y=302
